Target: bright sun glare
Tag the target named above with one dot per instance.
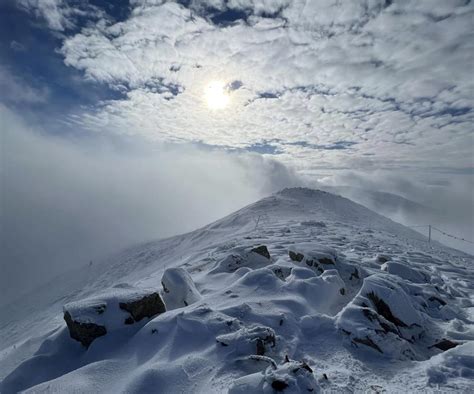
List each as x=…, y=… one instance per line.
x=216, y=95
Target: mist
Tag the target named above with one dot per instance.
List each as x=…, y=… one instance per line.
x=67, y=202
x=445, y=201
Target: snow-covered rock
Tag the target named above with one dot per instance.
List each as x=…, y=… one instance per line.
x=255, y=257
x=249, y=340
x=179, y=289
x=93, y=317
x=385, y=318
x=289, y=377
x=405, y=272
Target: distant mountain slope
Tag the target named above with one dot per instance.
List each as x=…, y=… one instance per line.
x=301, y=291
x=383, y=202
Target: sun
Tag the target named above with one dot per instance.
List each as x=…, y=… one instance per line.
x=216, y=95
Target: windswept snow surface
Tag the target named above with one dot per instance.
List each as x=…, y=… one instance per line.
x=348, y=301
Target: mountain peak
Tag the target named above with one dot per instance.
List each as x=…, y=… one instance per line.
x=274, y=295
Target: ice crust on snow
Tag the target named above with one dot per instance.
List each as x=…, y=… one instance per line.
x=345, y=300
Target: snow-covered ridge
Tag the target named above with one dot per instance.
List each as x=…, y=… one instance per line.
x=303, y=291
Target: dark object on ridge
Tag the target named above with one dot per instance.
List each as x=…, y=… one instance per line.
x=444, y=344
x=85, y=333
x=147, y=306
x=295, y=256
x=384, y=310
x=262, y=251
x=279, y=385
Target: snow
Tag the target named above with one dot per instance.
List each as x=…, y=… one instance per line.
x=178, y=288
x=104, y=309
x=348, y=301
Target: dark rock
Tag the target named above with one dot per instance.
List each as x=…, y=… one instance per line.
x=94, y=317
x=372, y=316
x=368, y=342
x=147, y=306
x=384, y=310
x=382, y=258
x=434, y=298
x=355, y=274
x=444, y=344
x=260, y=347
x=262, y=251
x=306, y=366
x=325, y=260
x=85, y=333
x=295, y=256
x=263, y=341
x=279, y=385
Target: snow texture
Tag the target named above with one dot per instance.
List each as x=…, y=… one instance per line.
x=303, y=291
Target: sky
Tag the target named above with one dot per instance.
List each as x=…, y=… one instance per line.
x=143, y=111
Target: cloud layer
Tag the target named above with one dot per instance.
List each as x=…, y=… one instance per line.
x=321, y=83
x=393, y=78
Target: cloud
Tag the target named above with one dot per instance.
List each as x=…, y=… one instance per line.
x=17, y=46
x=391, y=78
x=17, y=91
x=348, y=91
x=55, y=12
x=446, y=203
x=61, y=15
x=67, y=201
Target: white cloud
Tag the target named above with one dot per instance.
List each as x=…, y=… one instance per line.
x=61, y=15
x=55, y=12
x=394, y=78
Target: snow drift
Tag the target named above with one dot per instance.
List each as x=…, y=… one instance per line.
x=303, y=291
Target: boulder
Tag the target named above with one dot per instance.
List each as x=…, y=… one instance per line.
x=445, y=344
x=148, y=306
x=405, y=272
x=85, y=333
x=262, y=250
x=257, y=340
x=312, y=255
x=384, y=317
x=289, y=377
x=295, y=256
x=252, y=258
x=93, y=317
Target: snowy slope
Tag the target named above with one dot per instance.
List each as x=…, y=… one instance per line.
x=348, y=300
x=383, y=202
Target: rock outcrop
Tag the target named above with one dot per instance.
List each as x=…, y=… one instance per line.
x=92, y=318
